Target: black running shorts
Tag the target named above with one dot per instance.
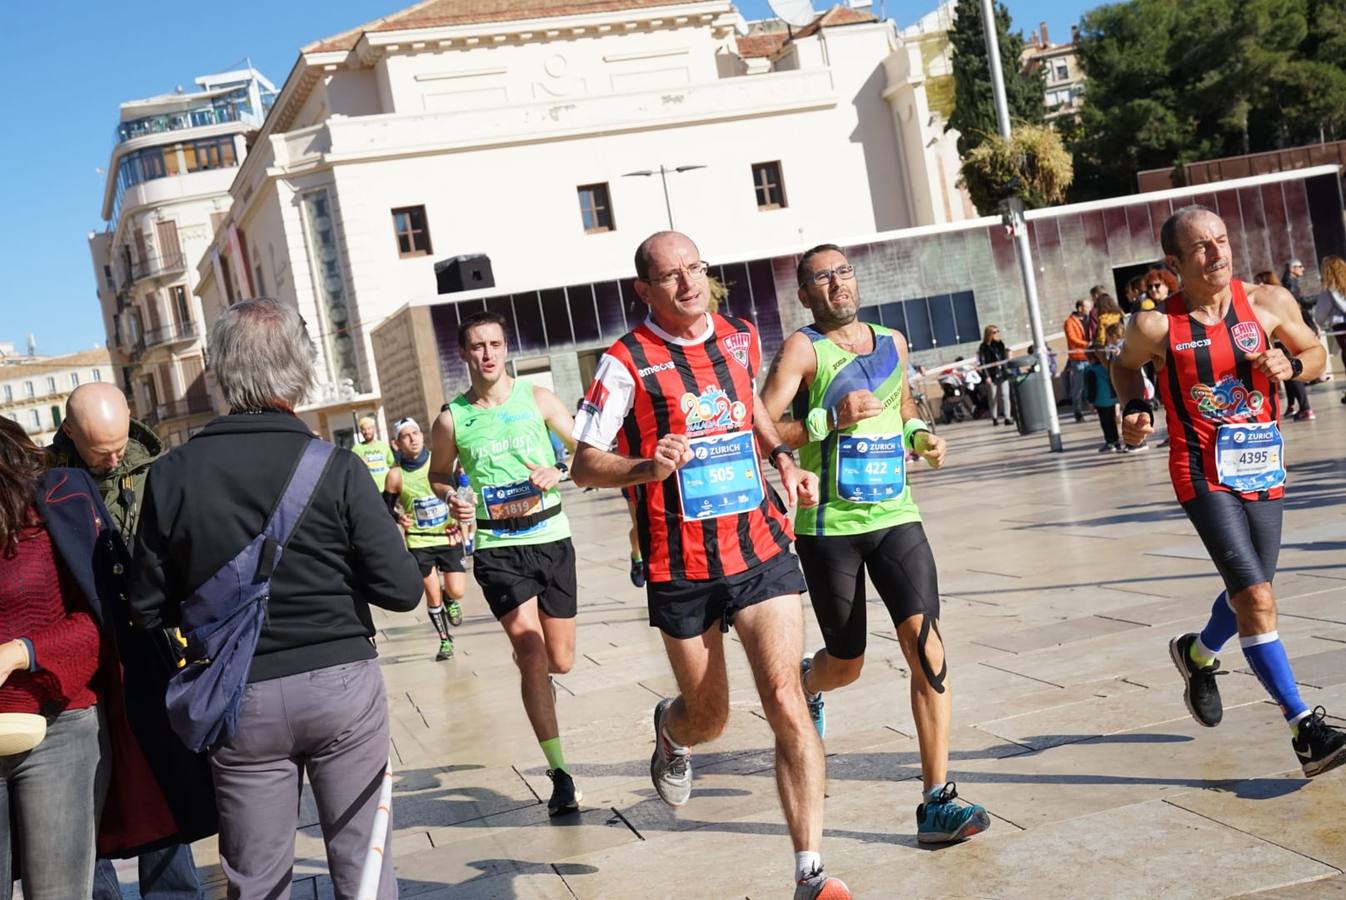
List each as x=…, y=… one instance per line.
x=445, y=557
x=1243, y=537
x=900, y=564
x=684, y=608
x=510, y=576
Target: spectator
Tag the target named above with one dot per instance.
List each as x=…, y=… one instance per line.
x=1099, y=389
x=1135, y=294
x=1078, y=339
x=1108, y=313
x=991, y=356
x=1329, y=309
x=1294, y=270
x=1159, y=284
x=314, y=702
x=100, y=437
x=1296, y=392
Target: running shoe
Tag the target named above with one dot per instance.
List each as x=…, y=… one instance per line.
x=815, y=701
x=1106, y=448
x=455, y=613
x=1200, y=692
x=1304, y=415
x=638, y=572
x=1319, y=746
x=1139, y=448
x=671, y=765
x=564, y=797
x=819, y=887
x=944, y=820
x=445, y=650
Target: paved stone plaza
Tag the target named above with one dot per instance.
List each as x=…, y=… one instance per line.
x=1063, y=578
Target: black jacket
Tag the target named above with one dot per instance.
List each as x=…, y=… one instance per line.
x=988, y=355
x=208, y=498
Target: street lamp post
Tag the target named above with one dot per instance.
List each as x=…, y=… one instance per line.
x=1020, y=229
x=662, y=172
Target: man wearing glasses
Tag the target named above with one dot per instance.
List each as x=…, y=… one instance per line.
x=677, y=396
x=854, y=421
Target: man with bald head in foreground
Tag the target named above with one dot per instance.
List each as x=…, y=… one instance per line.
x=99, y=436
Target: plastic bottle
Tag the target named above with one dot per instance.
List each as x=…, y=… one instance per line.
x=464, y=495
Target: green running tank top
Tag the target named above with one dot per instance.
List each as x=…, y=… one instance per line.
x=428, y=513
x=378, y=456
x=494, y=445
x=861, y=469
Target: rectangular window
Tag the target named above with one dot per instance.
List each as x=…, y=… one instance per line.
x=770, y=186
x=55, y=417
x=1062, y=71
x=9, y=394
x=51, y=384
x=181, y=310
x=97, y=374
x=213, y=153
x=35, y=418
x=413, y=234
x=28, y=389
x=596, y=208
x=74, y=379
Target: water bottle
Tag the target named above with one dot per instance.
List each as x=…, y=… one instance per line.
x=464, y=495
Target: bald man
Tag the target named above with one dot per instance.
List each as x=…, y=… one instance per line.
x=99, y=436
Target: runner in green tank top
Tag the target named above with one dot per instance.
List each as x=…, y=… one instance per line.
x=433, y=538
x=376, y=454
x=854, y=421
x=523, y=561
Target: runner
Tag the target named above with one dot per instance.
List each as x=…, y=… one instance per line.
x=523, y=560
x=436, y=542
x=855, y=418
x=377, y=455
x=1218, y=376
x=676, y=394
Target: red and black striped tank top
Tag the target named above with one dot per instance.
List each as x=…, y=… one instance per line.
x=1207, y=381
x=699, y=390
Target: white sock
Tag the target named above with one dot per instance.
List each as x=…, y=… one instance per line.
x=807, y=863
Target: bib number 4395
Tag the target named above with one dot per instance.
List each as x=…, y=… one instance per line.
x=1250, y=457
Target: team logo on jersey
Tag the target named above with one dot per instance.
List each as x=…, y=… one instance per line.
x=737, y=344
x=1229, y=399
x=1247, y=336
x=595, y=398
x=712, y=410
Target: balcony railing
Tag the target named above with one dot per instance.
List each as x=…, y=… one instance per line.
x=218, y=113
x=151, y=266
x=169, y=334
x=187, y=406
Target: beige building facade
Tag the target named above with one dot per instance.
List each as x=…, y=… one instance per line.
x=34, y=389
x=1063, y=76
x=551, y=137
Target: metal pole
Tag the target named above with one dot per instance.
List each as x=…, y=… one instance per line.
x=1020, y=228
x=668, y=204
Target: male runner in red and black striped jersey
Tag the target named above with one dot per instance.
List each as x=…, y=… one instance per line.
x=677, y=395
x=1218, y=378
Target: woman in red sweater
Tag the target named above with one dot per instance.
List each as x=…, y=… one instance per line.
x=49, y=655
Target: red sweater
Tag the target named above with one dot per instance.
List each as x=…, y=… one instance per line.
x=40, y=601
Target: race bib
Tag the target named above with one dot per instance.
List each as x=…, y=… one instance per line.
x=723, y=478
x=428, y=512
x=512, y=501
x=377, y=463
x=1250, y=457
x=871, y=468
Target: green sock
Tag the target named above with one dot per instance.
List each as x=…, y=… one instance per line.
x=1194, y=652
x=551, y=748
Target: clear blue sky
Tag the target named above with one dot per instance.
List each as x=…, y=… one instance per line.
x=72, y=64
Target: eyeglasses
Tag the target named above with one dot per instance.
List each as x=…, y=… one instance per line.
x=823, y=276
x=669, y=280
x=1157, y=284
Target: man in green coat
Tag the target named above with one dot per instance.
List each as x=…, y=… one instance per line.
x=99, y=436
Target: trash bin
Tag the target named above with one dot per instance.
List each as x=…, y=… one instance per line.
x=1030, y=407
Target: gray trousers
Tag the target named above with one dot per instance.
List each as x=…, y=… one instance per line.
x=54, y=793
x=331, y=724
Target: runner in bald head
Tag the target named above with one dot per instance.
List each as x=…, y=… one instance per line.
x=376, y=454
x=1218, y=379
x=499, y=431
x=677, y=396
x=433, y=537
x=854, y=422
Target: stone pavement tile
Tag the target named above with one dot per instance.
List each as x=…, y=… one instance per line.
x=1115, y=706
x=1331, y=888
x=435, y=797
x=1158, y=612
x=529, y=881
x=1324, y=604
x=1145, y=850
x=1297, y=813
x=1054, y=635
x=1130, y=767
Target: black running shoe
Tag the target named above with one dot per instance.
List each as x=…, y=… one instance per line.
x=1200, y=692
x=1319, y=746
x=564, y=797
x=638, y=573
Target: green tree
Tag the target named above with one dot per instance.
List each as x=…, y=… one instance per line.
x=974, y=109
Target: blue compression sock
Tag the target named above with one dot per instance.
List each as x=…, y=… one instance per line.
x=1221, y=627
x=1266, y=655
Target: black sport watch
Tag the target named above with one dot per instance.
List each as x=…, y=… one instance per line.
x=778, y=450
x=1296, y=367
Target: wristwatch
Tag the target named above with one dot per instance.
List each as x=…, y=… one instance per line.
x=1296, y=367
x=562, y=468
x=778, y=450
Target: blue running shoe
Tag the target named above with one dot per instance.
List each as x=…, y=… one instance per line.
x=815, y=701
x=944, y=820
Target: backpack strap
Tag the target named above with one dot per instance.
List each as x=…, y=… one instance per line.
x=293, y=504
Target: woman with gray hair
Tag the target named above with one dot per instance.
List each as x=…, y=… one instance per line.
x=314, y=700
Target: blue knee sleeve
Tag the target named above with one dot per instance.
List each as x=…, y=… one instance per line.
x=1266, y=654
x=1222, y=625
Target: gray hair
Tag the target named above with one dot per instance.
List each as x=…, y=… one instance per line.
x=1168, y=233
x=262, y=355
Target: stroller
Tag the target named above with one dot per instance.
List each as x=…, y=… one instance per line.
x=960, y=388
